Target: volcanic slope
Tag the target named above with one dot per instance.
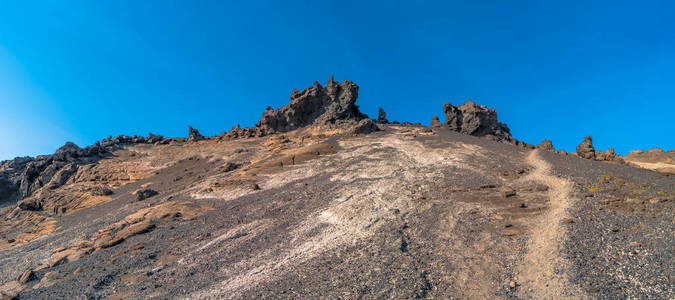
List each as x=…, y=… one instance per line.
x=406, y=212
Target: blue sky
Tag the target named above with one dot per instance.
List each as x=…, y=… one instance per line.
x=84, y=70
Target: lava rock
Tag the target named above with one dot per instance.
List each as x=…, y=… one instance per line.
x=194, y=135
x=153, y=138
x=585, y=149
x=470, y=118
x=145, y=194
x=546, y=145
x=435, y=122
x=228, y=167
x=365, y=126
x=101, y=191
x=31, y=204
x=314, y=105
x=382, y=117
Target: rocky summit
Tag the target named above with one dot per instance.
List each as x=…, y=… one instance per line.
x=478, y=120
x=317, y=200
x=315, y=105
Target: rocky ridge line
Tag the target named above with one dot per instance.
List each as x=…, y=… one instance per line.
x=315, y=105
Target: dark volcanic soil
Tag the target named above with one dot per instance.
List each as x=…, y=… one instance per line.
x=408, y=212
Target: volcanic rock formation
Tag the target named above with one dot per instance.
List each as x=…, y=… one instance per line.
x=194, y=135
x=382, y=117
x=23, y=176
x=315, y=105
x=546, y=145
x=435, y=122
x=477, y=120
x=587, y=151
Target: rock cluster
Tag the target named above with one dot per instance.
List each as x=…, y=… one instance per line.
x=477, y=120
x=315, y=105
x=587, y=151
x=23, y=176
x=546, y=145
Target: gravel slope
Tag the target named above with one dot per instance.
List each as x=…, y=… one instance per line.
x=403, y=213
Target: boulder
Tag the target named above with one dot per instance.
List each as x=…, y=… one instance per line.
x=228, y=167
x=435, y=122
x=472, y=119
x=145, y=194
x=382, y=117
x=31, y=204
x=194, y=135
x=101, y=191
x=585, y=149
x=365, y=126
x=546, y=145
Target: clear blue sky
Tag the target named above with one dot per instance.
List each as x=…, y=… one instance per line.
x=84, y=70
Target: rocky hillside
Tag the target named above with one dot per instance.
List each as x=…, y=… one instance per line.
x=319, y=201
x=653, y=159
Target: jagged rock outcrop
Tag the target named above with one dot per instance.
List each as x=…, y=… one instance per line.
x=586, y=149
x=435, y=122
x=477, y=120
x=154, y=138
x=382, y=117
x=607, y=155
x=315, y=105
x=23, y=176
x=546, y=145
x=194, y=135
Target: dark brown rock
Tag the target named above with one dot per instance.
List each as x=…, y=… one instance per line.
x=546, y=145
x=382, y=117
x=194, y=135
x=470, y=118
x=31, y=204
x=365, y=126
x=228, y=167
x=585, y=149
x=435, y=122
x=145, y=194
x=101, y=191
x=313, y=105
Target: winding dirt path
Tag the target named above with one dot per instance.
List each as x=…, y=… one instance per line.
x=543, y=273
